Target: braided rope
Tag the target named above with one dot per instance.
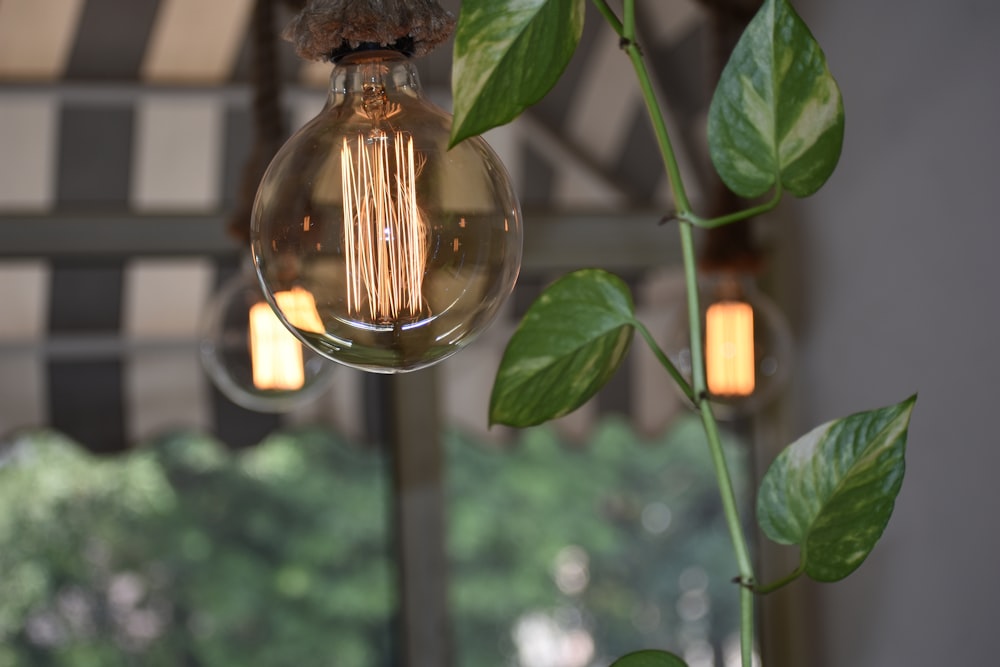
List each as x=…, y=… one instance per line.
x=325, y=28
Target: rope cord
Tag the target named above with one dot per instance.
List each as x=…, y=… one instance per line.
x=268, y=120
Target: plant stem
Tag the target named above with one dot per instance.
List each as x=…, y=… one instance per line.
x=681, y=201
x=740, y=547
x=609, y=16
x=626, y=31
x=684, y=213
x=784, y=581
x=629, y=22
x=665, y=361
x=746, y=626
x=712, y=223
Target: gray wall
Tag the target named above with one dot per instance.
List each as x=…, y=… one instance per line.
x=899, y=267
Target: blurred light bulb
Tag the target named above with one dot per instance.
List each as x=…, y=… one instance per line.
x=729, y=349
x=748, y=343
x=408, y=248
x=276, y=355
x=249, y=353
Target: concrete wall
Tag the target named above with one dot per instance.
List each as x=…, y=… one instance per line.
x=899, y=257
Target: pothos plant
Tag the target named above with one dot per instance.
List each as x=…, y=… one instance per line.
x=775, y=126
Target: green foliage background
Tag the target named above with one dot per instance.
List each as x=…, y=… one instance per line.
x=183, y=553
x=514, y=510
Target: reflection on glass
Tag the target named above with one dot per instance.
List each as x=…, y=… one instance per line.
x=275, y=354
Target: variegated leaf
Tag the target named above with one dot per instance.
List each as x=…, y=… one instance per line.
x=833, y=490
x=508, y=55
x=777, y=117
x=649, y=658
x=570, y=342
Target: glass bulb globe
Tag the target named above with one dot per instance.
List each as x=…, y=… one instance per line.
x=251, y=356
x=408, y=248
x=747, y=343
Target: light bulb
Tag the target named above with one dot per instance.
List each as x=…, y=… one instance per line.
x=249, y=353
x=730, y=367
x=747, y=343
x=408, y=248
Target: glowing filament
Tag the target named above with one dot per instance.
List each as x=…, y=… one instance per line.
x=729, y=348
x=275, y=354
x=385, y=236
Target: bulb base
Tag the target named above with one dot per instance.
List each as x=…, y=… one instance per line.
x=404, y=45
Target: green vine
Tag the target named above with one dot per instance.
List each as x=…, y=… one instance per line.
x=772, y=128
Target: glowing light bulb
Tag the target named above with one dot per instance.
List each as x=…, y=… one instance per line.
x=408, y=248
x=249, y=353
x=748, y=344
x=729, y=349
x=385, y=235
x=275, y=354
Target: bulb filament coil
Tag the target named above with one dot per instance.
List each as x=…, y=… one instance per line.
x=385, y=235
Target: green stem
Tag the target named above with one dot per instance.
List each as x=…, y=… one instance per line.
x=665, y=361
x=780, y=583
x=731, y=511
x=712, y=223
x=629, y=23
x=746, y=626
x=683, y=207
x=729, y=504
x=681, y=201
x=609, y=16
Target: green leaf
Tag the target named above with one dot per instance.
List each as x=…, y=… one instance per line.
x=777, y=118
x=508, y=55
x=649, y=659
x=832, y=491
x=570, y=342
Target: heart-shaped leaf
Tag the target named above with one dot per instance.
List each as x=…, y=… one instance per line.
x=649, y=659
x=832, y=491
x=570, y=342
x=777, y=117
x=508, y=55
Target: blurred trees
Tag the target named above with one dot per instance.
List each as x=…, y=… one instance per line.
x=182, y=553
x=619, y=542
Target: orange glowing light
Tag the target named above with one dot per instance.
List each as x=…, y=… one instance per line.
x=275, y=354
x=385, y=233
x=729, y=349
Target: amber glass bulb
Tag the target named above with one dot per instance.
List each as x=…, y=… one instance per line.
x=408, y=248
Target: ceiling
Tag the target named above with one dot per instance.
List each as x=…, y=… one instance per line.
x=587, y=143
x=159, y=42
x=124, y=128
